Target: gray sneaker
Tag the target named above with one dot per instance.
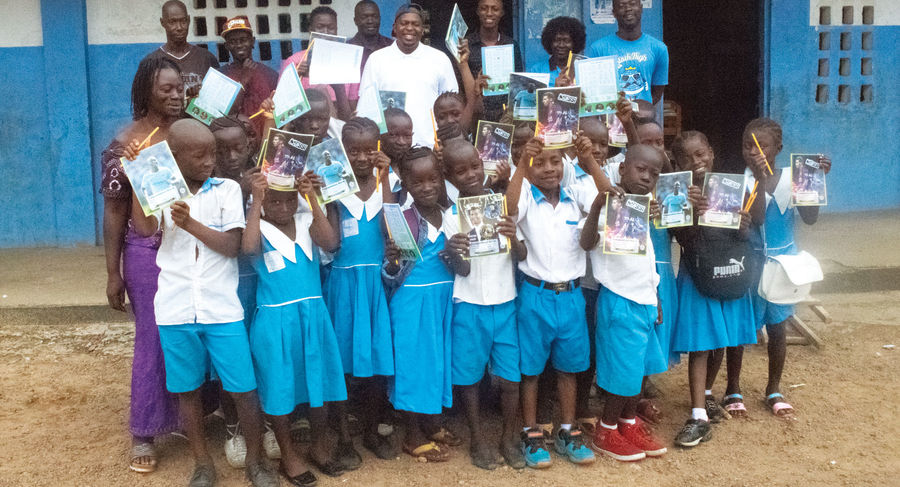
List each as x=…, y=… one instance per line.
x=261, y=474
x=693, y=432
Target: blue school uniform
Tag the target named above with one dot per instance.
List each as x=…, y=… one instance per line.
x=294, y=348
x=421, y=316
x=668, y=295
x=354, y=293
x=247, y=287
x=775, y=237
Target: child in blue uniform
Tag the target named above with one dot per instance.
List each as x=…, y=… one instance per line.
x=628, y=311
x=353, y=290
x=421, y=314
x=551, y=308
x=484, y=312
x=291, y=338
x=776, y=237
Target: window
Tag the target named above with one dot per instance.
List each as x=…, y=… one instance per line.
x=840, y=85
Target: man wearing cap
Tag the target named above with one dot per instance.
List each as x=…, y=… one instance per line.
x=407, y=65
x=192, y=60
x=257, y=79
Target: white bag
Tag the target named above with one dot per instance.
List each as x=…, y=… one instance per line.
x=787, y=279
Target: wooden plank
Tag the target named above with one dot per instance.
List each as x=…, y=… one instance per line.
x=806, y=331
x=796, y=340
x=819, y=310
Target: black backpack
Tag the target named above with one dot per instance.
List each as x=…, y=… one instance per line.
x=722, y=265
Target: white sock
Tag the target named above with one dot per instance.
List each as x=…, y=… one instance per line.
x=699, y=413
x=628, y=421
x=609, y=427
x=709, y=392
x=526, y=429
x=567, y=426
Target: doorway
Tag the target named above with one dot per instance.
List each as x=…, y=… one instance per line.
x=715, y=70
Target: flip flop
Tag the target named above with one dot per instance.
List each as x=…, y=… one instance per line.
x=778, y=406
x=429, y=452
x=444, y=436
x=734, y=408
x=142, y=450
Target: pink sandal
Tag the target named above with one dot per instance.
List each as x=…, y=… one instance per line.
x=779, y=408
x=736, y=406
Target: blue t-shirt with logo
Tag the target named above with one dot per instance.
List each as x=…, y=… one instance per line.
x=642, y=63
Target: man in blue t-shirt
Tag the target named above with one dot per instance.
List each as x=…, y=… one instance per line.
x=643, y=60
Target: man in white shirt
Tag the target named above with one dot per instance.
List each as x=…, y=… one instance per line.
x=420, y=71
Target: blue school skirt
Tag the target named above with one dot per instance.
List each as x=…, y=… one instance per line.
x=356, y=300
x=704, y=323
x=668, y=294
x=296, y=356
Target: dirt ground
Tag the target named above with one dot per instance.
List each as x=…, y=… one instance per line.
x=64, y=401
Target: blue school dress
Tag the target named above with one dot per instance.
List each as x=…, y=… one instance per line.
x=662, y=246
x=355, y=294
x=295, y=352
x=421, y=315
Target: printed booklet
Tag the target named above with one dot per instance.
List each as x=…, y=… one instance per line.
x=675, y=210
x=216, y=96
x=497, y=63
x=283, y=157
x=329, y=161
x=598, y=80
x=399, y=232
x=494, y=144
x=523, y=93
x=725, y=193
x=155, y=178
x=626, y=228
x=478, y=219
x=393, y=99
x=808, y=181
x=558, y=116
x=289, y=99
x=455, y=31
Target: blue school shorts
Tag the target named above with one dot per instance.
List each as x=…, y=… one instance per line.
x=484, y=336
x=189, y=348
x=626, y=344
x=552, y=326
x=770, y=313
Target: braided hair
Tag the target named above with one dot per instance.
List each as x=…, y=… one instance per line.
x=142, y=85
x=227, y=122
x=764, y=124
x=415, y=153
x=360, y=126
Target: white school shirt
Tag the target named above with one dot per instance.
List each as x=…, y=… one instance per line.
x=196, y=283
x=422, y=75
x=490, y=281
x=633, y=277
x=574, y=174
x=551, y=234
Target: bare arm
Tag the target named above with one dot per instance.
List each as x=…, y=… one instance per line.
x=251, y=240
x=115, y=223
x=585, y=149
x=626, y=116
x=589, y=234
x=457, y=246
x=145, y=226
x=321, y=231
x=657, y=93
x=514, y=189
x=341, y=102
x=226, y=243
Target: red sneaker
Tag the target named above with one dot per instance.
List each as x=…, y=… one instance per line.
x=639, y=435
x=612, y=443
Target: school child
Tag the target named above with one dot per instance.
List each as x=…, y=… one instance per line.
x=197, y=309
x=291, y=339
x=628, y=310
x=706, y=322
x=521, y=135
x=484, y=331
x=551, y=310
x=353, y=290
x=650, y=133
x=449, y=116
x=776, y=237
x=421, y=313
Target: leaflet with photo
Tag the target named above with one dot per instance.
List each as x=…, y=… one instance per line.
x=335, y=63
x=289, y=99
x=675, y=209
x=597, y=78
x=399, y=232
x=155, y=178
x=494, y=144
x=284, y=157
x=523, y=93
x=725, y=195
x=478, y=219
x=497, y=62
x=558, y=116
x=392, y=99
x=370, y=95
x=807, y=181
x=627, y=226
x=217, y=95
x=455, y=31
x=329, y=161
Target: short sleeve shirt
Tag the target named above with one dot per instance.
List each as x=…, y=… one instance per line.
x=193, y=65
x=490, y=281
x=642, y=63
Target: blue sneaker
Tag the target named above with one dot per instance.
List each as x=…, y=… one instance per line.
x=570, y=444
x=535, y=450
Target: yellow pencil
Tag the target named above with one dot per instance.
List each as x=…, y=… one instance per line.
x=506, y=212
x=378, y=172
x=260, y=112
x=307, y=200
x=147, y=140
x=569, y=62
x=434, y=128
x=752, y=196
x=763, y=153
x=531, y=161
x=306, y=52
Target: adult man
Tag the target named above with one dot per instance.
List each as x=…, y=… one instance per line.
x=420, y=71
x=643, y=60
x=257, y=79
x=192, y=60
x=367, y=18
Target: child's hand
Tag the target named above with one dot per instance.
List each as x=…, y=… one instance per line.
x=391, y=251
x=193, y=91
x=459, y=244
x=181, y=214
x=382, y=165
x=531, y=150
x=825, y=163
x=303, y=66
x=258, y=186
x=247, y=180
x=746, y=220
x=624, y=110
x=584, y=147
x=268, y=105
x=450, y=130
x=757, y=165
x=481, y=83
x=503, y=172
x=132, y=150
x=463, y=50
x=698, y=201
x=565, y=78
x=507, y=227
x=654, y=209
x=438, y=151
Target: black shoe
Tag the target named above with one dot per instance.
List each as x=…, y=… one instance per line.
x=381, y=446
x=305, y=479
x=203, y=476
x=693, y=432
x=713, y=410
x=331, y=468
x=347, y=456
x=260, y=474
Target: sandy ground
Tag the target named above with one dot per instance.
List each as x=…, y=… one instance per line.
x=64, y=403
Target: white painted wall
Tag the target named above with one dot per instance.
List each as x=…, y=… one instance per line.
x=21, y=23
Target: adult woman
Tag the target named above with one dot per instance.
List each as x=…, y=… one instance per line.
x=490, y=13
x=157, y=98
x=560, y=36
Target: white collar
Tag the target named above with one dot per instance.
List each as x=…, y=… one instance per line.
x=782, y=193
x=355, y=205
x=433, y=233
x=283, y=244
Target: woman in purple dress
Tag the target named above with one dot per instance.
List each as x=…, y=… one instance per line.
x=157, y=98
